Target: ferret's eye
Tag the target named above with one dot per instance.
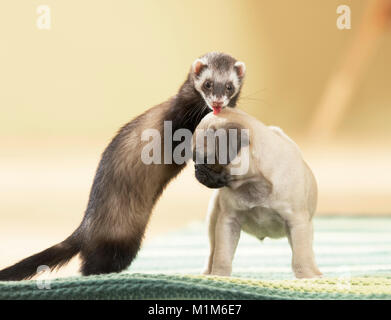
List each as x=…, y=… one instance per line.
x=208, y=85
x=229, y=87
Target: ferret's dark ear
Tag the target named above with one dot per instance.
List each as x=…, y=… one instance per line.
x=198, y=66
x=240, y=68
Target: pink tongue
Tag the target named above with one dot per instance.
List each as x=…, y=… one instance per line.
x=216, y=110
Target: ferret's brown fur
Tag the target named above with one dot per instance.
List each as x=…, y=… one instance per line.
x=125, y=189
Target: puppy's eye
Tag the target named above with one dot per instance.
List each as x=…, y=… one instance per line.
x=229, y=87
x=208, y=85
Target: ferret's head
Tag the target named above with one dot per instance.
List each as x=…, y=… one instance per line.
x=218, y=78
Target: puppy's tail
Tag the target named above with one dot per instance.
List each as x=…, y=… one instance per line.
x=53, y=257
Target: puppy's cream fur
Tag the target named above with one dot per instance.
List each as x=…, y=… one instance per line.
x=275, y=198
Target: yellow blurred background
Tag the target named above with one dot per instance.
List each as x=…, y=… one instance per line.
x=64, y=92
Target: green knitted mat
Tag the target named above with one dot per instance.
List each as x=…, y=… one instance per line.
x=353, y=253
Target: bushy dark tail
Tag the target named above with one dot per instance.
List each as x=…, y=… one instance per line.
x=53, y=257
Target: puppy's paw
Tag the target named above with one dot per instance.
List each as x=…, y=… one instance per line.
x=306, y=273
x=224, y=272
x=318, y=273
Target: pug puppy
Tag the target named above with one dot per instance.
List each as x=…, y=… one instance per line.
x=265, y=188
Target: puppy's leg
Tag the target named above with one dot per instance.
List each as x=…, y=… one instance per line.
x=213, y=212
x=227, y=233
x=315, y=266
x=300, y=235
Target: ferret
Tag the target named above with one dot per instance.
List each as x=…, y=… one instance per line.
x=125, y=190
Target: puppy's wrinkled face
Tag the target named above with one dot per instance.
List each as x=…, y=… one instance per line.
x=214, y=152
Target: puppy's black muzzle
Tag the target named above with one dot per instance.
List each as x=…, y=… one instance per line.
x=209, y=177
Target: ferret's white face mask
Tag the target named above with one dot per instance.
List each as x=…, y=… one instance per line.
x=217, y=86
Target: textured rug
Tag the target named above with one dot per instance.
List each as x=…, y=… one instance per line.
x=354, y=255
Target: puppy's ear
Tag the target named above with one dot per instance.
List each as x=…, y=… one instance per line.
x=237, y=137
